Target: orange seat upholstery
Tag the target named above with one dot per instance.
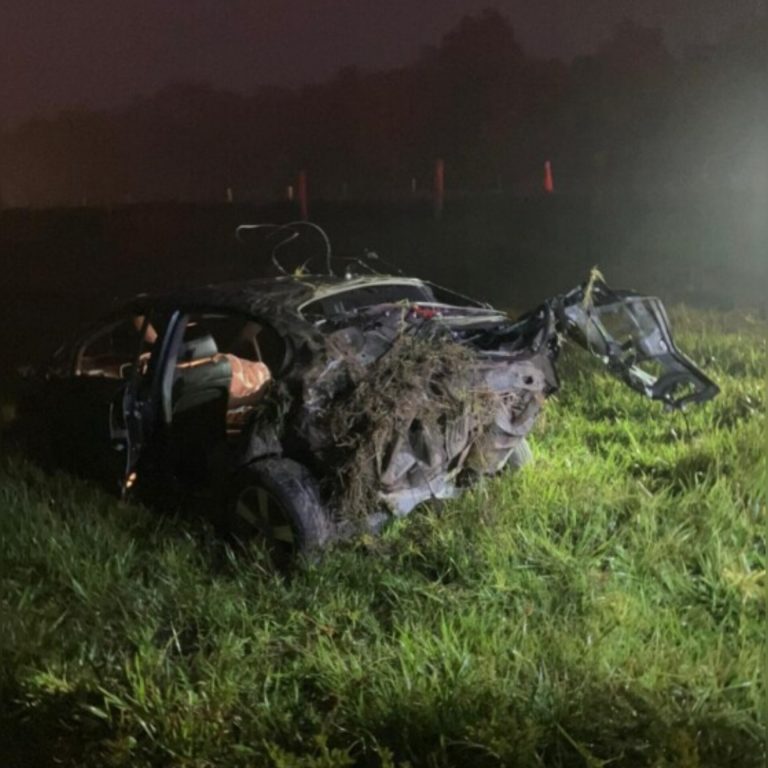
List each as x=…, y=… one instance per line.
x=249, y=378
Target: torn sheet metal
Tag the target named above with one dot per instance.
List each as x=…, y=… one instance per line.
x=445, y=425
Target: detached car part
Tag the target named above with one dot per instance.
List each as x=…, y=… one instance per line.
x=631, y=335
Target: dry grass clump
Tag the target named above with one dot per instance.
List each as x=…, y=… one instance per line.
x=424, y=382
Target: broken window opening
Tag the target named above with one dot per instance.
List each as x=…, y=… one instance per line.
x=112, y=351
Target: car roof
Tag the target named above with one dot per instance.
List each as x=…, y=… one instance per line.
x=285, y=294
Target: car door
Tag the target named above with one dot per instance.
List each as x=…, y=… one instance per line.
x=212, y=369
x=85, y=405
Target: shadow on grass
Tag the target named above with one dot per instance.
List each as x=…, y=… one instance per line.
x=615, y=726
x=56, y=731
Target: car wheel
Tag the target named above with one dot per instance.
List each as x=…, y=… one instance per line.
x=277, y=502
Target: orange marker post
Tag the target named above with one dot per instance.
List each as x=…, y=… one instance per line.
x=549, y=183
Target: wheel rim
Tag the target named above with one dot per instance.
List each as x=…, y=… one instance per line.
x=258, y=514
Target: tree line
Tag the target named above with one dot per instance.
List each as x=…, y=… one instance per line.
x=629, y=116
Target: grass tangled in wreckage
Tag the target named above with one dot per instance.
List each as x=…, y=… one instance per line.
x=424, y=381
x=607, y=603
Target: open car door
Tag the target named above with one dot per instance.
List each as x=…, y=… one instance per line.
x=134, y=416
x=630, y=333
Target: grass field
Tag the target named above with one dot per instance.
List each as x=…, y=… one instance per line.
x=604, y=606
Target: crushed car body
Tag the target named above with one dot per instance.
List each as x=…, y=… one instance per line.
x=305, y=407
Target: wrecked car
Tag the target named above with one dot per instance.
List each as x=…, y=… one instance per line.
x=305, y=407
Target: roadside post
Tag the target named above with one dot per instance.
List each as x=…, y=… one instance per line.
x=439, y=187
x=549, y=183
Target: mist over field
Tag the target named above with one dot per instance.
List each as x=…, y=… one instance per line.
x=62, y=268
x=658, y=156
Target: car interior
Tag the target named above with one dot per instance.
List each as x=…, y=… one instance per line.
x=224, y=366
x=112, y=351
x=222, y=370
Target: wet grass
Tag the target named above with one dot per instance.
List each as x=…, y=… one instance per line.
x=605, y=606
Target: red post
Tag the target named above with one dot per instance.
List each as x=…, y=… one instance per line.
x=439, y=187
x=549, y=184
x=303, y=197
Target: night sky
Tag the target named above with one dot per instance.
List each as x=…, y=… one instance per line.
x=96, y=53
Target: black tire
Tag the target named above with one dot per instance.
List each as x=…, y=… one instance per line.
x=277, y=502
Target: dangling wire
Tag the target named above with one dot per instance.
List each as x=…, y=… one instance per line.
x=293, y=225
x=323, y=235
x=276, y=228
x=249, y=227
x=273, y=253
x=373, y=256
